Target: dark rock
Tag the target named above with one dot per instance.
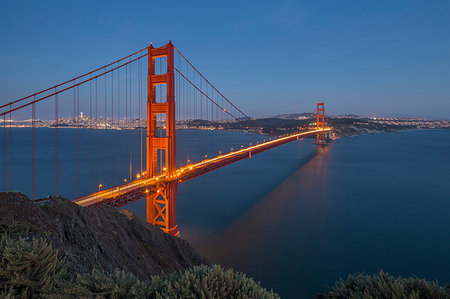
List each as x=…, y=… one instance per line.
x=97, y=237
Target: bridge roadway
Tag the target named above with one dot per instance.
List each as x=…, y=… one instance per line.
x=123, y=194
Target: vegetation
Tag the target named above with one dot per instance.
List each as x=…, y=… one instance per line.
x=32, y=269
x=28, y=268
x=386, y=286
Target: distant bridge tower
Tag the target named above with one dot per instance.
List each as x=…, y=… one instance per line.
x=161, y=207
x=320, y=123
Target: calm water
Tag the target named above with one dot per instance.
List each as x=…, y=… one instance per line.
x=297, y=219
x=88, y=158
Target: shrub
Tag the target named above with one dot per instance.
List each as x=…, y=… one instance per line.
x=32, y=269
x=385, y=286
x=101, y=285
x=197, y=282
x=210, y=282
x=29, y=267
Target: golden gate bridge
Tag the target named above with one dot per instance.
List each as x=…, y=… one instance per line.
x=155, y=93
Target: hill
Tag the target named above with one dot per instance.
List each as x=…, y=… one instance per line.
x=98, y=237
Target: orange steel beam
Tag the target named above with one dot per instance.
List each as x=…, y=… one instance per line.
x=146, y=187
x=161, y=205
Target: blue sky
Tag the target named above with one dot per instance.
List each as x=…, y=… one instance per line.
x=269, y=57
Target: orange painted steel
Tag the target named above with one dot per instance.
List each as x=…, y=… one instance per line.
x=132, y=191
x=161, y=205
x=320, y=124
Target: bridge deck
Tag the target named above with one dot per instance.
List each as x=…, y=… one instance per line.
x=139, y=188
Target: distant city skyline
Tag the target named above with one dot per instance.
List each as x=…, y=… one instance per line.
x=376, y=59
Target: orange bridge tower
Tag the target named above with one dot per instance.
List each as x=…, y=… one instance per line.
x=320, y=124
x=161, y=206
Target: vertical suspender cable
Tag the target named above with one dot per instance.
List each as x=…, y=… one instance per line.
x=4, y=152
x=10, y=142
x=74, y=143
x=126, y=104
x=112, y=129
x=212, y=124
x=33, y=137
x=200, y=117
x=118, y=122
x=105, y=149
x=78, y=141
x=96, y=132
x=56, y=143
x=188, y=115
x=140, y=111
x=195, y=117
x=90, y=131
x=131, y=132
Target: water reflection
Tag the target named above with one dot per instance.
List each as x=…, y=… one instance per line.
x=247, y=236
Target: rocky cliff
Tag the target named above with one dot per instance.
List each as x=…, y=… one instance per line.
x=98, y=237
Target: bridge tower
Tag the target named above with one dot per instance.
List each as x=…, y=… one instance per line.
x=161, y=207
x=320, y=123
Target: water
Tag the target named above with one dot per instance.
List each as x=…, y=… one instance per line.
x=89, y=158
x=297, y=219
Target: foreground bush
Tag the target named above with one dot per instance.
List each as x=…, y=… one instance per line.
x=210, y=282
x=28, y=268
x=386, y=286
x=197, y=282
x=32, y=269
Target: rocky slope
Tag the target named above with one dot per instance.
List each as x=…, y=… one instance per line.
x=98, y=237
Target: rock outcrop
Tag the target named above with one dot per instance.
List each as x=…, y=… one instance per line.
x=97, y=237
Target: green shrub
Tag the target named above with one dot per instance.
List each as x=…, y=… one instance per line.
x=197, y=282
x=32, y=269
x=385, y=286
x=211, y=282
x=101, y=285
x=28, y=268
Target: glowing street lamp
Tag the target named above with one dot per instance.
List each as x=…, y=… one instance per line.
x=99, y=186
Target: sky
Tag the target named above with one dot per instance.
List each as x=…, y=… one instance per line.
x=373, y=58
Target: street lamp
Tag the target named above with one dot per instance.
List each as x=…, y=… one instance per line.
x=99, y=186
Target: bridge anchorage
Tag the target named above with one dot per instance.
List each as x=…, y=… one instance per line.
x=189, y=129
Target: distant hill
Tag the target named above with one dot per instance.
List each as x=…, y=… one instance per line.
x=295, y=115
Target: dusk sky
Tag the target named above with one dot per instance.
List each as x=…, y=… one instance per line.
x=269, y=57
